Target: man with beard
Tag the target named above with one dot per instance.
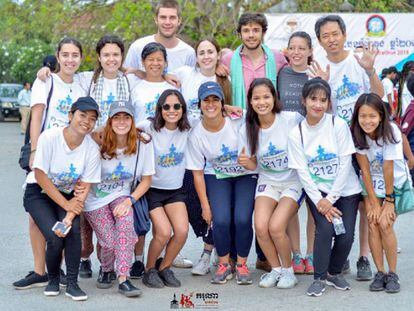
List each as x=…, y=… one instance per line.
x=252, y=59
x=168, y=20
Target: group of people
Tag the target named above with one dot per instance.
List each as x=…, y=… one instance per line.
x=210, y=138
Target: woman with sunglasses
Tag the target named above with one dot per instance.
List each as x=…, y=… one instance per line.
x=169, y=130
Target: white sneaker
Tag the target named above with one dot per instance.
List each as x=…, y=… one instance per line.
x=202, y=267
x=181, y=262
x=269, y=279
x=287, y=279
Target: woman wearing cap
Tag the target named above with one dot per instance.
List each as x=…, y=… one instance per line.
x=222, y=185
x=169, y=130
x=108, y=207
x=64, y=156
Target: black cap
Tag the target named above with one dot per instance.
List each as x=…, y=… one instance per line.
x=85, y=104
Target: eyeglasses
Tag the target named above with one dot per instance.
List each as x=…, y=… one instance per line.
x=167, y=107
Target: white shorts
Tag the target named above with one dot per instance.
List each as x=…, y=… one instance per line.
x=276, y=191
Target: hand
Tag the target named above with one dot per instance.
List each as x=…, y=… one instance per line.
x=367, y=60
x=68, y=223
x=410, y=163
x=243, y=159
x=206, y=214
x=316, y=70
x=79, y=189
x=373, y=212
x=44, y=73
x=73, y=205
x=173, y=80
x=32, y=155
x=323, y=206
x=233, y=111
x=333, y=213
x=388, y=213
x=222, y=70
x=123, y=208
x=97, y=136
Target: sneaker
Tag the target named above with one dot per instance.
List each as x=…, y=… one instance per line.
x=181, y=262
x=128, y=290
x=152, y=279
x=158, y=263
x=379, y=282
x=112, y=275
x=392, y=283
x=308, y=262
x=346, y=268
x=263, y=265
x=137, y=270
x=243, y=275
x=399, y=250
x=287, y=280
x=63, y=282
x=316, y=288
x=104, y=280
x=73, y=291
x=168, y=278
x=215, y=258
x=85, y=269
x=31, y=280
x=364, y=272
x=223, y=273
x=52, y=288
x=202, y=267
x=298, y=264
x=269, y=279
x=337, y=281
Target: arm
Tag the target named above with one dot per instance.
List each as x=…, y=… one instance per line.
x=388, y=206
x=375, y=82
x=200, y=186
x=407, y=152
x=35, y=128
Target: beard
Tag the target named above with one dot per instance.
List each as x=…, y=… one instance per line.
x=252, y=48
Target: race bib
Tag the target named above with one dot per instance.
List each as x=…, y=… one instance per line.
x=324, y=171
x=345, y=111
x=104, y=189
x=276, y=163
x=378, y=184
x=226, y=170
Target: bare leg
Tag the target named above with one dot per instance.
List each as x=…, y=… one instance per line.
x=38, y=247
x=293, y=232
x=389, y=243
x=363, y=231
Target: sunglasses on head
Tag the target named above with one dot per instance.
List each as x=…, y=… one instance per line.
x=167, y=107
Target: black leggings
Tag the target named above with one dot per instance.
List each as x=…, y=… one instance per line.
x=328, y=258
x=45, y=213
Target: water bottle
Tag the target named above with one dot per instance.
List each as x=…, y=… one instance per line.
x=338, y=225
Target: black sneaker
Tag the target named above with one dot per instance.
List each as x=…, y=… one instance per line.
x=63, y=280
x=152, y=279
x=346, y=268
x=73, y=290
x=85, y=269
x=127, y=289
x=137, y=270
x=169, y=279
x=31, y=280
x=364, y=272
x=104, y=280
x=379, y=282
x=392, y=283
x=52, y=288
x=113, y=275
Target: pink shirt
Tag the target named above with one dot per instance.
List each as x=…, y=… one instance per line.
x=249, y=72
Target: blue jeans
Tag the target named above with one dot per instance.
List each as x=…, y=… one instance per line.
x=232, y=200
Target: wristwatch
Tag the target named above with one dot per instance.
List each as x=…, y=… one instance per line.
x=390, y=196
x=133, y=201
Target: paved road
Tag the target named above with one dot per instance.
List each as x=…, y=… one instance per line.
x=16, y=260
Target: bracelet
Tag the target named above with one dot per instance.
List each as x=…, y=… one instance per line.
x=133, y=201
x=389, y=201
x=390, y=196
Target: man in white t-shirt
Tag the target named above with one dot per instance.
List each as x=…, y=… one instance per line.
x=390, y=75
x=168, y=20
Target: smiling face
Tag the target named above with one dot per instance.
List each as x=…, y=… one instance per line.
x=169, y=111
x=316, y=104
x=207, y=55
x=298, y=52
x=82, y=122
x=262, y=100
x=121, y=123
x=251, y=35
x=69, y=59
x=154, y=64
x=331, y=38
x=369, y=119
x=167, y=22
x=110, y=58
x=211, y=107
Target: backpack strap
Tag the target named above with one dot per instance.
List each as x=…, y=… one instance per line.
x=300, y=132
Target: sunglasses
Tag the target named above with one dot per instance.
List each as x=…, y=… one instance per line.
x=167, y=107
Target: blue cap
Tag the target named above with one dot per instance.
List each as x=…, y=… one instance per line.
x=85, y=104
x=210, y=88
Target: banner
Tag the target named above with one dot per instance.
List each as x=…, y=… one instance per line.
x=391, y=33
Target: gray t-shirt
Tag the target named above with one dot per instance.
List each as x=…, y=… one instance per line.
x=289, y=85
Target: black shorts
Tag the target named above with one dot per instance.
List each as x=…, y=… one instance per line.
x=160, y=197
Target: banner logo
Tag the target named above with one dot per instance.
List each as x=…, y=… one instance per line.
x=376, y=26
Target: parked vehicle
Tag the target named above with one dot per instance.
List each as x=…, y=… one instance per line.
x=9, y=107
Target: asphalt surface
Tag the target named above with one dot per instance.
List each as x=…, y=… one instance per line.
x=16, y=259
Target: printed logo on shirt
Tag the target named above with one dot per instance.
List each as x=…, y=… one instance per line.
x=150, y=107
x=324, y=167
x=261, y=188
x=274, y=160
x=172, y=158
x=66, y=180
x=226, y=164
x=113, y=182
x=347, y=89
x=104, y=109
x=64, y=105
x=377, y=173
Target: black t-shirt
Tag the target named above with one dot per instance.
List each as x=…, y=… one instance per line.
x=289, y=85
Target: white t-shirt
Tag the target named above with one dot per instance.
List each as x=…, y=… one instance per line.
x=63, y=96
x=323, y=145
x=191, y=78
x=180, y=55
x=64, y=166
x=117, y=175
x=376, y=156
x=220, y=149
x=406, y=99
x=388, y=89
x=272, y=157
x=145, y=97
x=169, y=150
x=348, y=80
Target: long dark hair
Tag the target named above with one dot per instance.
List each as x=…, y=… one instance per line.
x=408, y=66
x=252, y=119
x=315, y=85
x=158, y=121
x=304, y=35
x=384, y=129
x=67, y=40
x=107, y=39
x=223, y=81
